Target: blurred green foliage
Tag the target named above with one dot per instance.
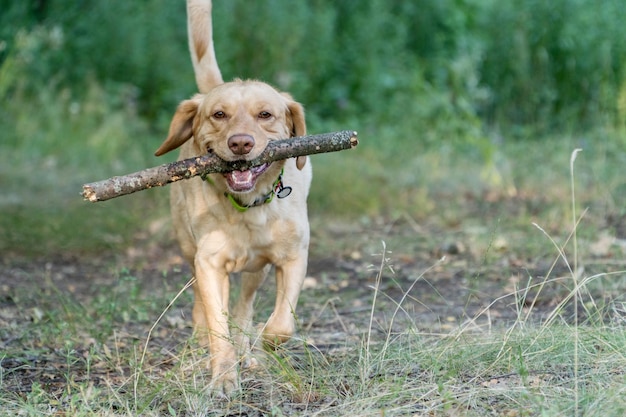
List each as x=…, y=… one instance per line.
x=521, y=62
x=87, y=88
x=554, y=63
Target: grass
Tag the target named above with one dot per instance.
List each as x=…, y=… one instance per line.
x=45, y=159
x=467, y=309
x=109, y=355
x=89, y=359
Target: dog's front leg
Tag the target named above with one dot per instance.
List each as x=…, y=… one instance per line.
x=211, y=320
x=289, y=278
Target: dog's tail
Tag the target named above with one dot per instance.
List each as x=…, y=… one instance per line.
x=200, y=32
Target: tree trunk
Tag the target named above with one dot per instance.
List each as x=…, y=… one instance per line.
x=210, y=163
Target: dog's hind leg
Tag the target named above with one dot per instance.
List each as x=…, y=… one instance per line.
x=243, y=314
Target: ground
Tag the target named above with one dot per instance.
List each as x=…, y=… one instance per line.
x=376, y=277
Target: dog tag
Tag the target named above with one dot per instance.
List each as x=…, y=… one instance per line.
x=283, y=192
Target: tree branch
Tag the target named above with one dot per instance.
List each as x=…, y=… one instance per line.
x=211, y=163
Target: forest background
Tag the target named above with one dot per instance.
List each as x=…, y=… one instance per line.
x=433, y=87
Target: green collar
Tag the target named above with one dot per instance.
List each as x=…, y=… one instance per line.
x=278, y=189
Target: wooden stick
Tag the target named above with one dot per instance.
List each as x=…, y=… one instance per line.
x=211, y=163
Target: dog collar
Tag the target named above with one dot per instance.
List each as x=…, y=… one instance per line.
x=278, y=189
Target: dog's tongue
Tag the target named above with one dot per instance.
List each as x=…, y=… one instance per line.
x=240, y=180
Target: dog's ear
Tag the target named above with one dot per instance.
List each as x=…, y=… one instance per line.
x=181, y=125
x=296, y=112
x=298, y=124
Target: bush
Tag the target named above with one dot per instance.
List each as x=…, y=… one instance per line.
x=531, y=62
x=117, y=42
x=553, y=65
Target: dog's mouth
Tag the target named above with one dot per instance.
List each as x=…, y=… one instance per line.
x=244, y=181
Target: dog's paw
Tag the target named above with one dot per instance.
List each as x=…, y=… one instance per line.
x=249, y=362
x=276, y=331
x=225, y=385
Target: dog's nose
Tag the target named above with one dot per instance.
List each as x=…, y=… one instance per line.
x=241, y=144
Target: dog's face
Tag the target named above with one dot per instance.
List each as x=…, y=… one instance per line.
x=236, y=121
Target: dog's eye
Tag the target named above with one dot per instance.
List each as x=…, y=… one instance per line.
x=265, y=115
x=219, y=114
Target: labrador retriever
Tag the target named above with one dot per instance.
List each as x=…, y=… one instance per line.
x=242, y=221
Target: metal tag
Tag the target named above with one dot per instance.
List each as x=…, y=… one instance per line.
x=283, y=192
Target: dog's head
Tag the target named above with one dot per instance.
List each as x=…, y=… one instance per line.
x=236, y=120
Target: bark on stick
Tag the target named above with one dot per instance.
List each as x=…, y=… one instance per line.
x=210, y=163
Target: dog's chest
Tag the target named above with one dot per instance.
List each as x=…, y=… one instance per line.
x=246, y=247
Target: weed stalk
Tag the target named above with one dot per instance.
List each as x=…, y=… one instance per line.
x=575, y=278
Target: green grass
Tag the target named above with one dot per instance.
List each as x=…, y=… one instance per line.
x=50, y=145
x=87, y=357
x=105, y=351
x=79, y=308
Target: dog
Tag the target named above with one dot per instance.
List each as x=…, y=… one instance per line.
x=242, y=221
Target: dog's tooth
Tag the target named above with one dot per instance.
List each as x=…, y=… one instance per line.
x=241, y=176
